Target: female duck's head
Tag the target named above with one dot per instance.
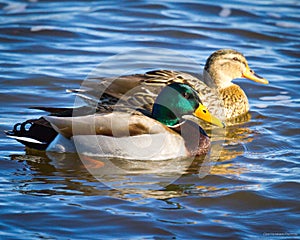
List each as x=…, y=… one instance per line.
x=225, y=65
x=177, y=100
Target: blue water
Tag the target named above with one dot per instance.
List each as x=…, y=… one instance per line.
x=252, y=191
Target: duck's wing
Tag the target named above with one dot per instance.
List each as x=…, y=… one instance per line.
x=108, y=91
x=117, y=124
x=141, y=90
x=131, y=91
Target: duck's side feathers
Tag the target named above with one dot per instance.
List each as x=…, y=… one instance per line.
x=117, y=135
x=115, y=124
x=161, y=146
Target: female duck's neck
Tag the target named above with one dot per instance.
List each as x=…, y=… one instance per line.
x=216, y=80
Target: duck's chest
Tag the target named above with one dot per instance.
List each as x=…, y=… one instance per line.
x=235, y=101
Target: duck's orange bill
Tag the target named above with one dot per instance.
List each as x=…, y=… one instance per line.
x=250, y=74
x=202, y=113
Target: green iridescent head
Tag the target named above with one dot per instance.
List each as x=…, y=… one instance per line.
x=177, y=100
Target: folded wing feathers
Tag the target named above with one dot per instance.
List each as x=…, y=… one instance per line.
x=112, y=124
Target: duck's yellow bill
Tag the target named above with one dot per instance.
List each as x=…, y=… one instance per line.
x=202, y=113
x=250, y=74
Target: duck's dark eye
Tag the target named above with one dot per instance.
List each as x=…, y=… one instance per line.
x=186, y=95
x=235, y=59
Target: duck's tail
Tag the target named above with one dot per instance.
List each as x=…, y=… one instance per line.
x=38, y=133
x=33, y=133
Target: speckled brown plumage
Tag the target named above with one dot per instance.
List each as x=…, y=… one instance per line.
x=223, y=98
x=235, y=101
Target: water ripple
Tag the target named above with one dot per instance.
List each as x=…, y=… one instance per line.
x=48, y=46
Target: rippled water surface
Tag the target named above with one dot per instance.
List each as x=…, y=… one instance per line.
x=252, y=191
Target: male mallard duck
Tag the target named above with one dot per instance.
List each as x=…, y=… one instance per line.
x=220, y=69
x=166, y=133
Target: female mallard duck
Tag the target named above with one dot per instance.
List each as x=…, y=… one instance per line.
x=165, y=134
x=218, y=91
